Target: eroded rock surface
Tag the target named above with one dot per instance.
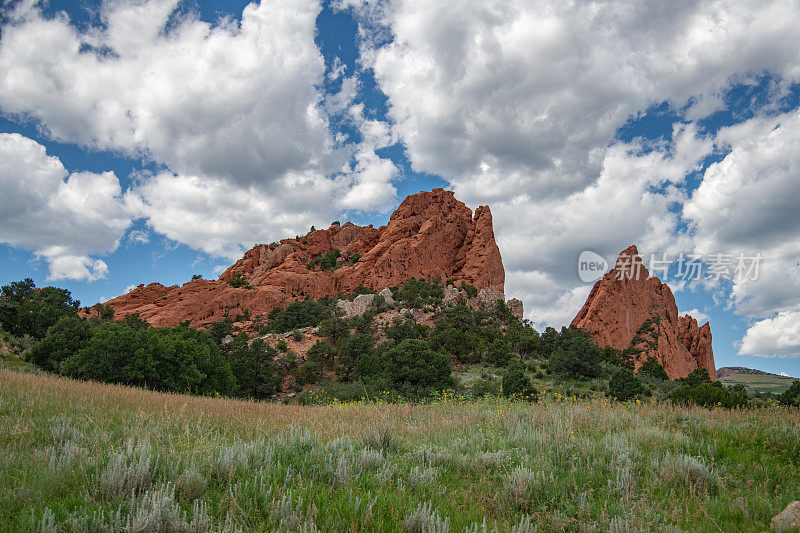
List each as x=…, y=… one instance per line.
x=430, y=235
x=629, y=309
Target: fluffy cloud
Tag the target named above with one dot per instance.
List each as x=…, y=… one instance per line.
x=774, y=337
x=748, y=203
x=502, y=97
x=237, y=101
x=62, y=217
x=541, y=239
x=232, y=110
x=225, y=220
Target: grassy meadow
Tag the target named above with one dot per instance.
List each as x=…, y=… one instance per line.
x=760, y=382
x=81, y=456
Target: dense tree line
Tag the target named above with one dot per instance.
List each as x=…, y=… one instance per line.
x=356, y=357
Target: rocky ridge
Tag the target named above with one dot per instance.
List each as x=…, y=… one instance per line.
x=430, y=235
x=630, y=310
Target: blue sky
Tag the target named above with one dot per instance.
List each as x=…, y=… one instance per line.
x=153, y=140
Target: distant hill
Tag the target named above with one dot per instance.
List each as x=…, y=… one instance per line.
x=754, y=380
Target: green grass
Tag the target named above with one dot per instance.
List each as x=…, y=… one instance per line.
x=760, y=382
x=83, y=456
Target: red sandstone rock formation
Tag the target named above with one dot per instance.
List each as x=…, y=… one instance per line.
x=629, y=309
x=430, y=235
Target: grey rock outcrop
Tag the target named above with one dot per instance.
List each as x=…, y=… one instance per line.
x=358, y=306
x=788, y=519
x=451, y=295
x=387, y=296
x=515, y=306
x=487, y=298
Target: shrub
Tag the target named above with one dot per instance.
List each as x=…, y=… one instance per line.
x=334, y=328
x=516, y=383
x=653, y=368
x=299, y=314
x=190, y=485
x=176, y=359
x=417, y=293
x=498, y=353
x=571, y=353
x=792, y=396
x=523, y=339
x=458, y=334
x=253, y=367
x=221, y=329
x=624, y=385
x=327, y=261
x=415, y=370
x=687, y=471
x=63, y=339
x=322, y=352
x=710, y=394
x=698, y=376
x=486, y=385
x=26, y=310
x=238, y=281
x=425, y=519
x=127, y=471
x=471, y=291
x=319, y=355
x=401, y=329
x=352, y=350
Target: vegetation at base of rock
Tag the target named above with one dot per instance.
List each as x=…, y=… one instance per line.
x=417, y=293
x=177, y=359
x=85, y=456
x=624, y=385
x=253, y=367
x=653, y=369
x=697, y=388
x=492, y=352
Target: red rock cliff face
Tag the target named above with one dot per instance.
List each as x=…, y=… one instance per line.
x=430, y=235
x=629, y=309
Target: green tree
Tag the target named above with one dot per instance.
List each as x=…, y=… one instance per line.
x=26, y=310
x=63, y=339
x=572, y=353
x=176, y=359
x=299, y=314
x=653, y=368
x=415, y=370
x=498, y=353
x=792, y=396
x=352, y=350
x=238, y=281
x=698, y=376
x=624, y=385
x=253, y=366
x=517, y=384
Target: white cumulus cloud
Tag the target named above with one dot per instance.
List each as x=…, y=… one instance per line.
x=64, y=218
x=774, y=337
x=231, y=100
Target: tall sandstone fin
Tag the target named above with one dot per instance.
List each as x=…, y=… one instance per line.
x=430, y=235
x=628, y=308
